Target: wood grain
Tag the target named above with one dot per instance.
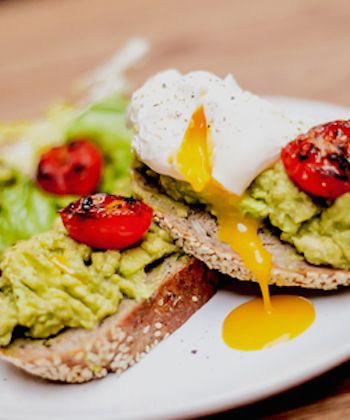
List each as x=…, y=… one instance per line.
x=297, y=47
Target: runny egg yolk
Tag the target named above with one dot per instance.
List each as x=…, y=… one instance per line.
x=261, y=322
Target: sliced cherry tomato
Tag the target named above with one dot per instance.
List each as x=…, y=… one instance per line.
x=106, y=221
x=72, y=169
x=318, y=162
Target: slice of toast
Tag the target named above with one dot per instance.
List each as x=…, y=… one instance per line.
x=182, y=286
x=195, y=232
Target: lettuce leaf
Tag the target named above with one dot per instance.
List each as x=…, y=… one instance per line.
x=104, y=123
x=25, y=210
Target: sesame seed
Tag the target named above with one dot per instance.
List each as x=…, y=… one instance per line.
x=56, y=360
x=118, y=357
x=123, y=348
x=42, y=362
x=88, y=347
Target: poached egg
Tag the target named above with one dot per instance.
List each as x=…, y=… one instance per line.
x=245, y=132
x=217, y=137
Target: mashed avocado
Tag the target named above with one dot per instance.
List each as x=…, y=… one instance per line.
x=50, y=282
x=273, y=195
x=326, y=239
x=321, y=234
x=180, y=191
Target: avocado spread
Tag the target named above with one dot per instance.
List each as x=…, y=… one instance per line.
x=179, y=191
x=50, y=282
x=320, y=233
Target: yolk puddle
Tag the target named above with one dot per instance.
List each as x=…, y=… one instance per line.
x=252, y=327
x=260, y=322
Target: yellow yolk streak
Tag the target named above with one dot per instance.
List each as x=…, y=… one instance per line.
x=258, y=323
x=194, y=163
x=194, y=156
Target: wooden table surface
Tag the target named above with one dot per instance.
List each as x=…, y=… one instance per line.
x=297, y=47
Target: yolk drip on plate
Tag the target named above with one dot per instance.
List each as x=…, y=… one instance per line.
x=252, y=327
x=260, y=322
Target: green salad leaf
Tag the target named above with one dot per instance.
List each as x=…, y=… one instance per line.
x=24, y=209
x=104, y=123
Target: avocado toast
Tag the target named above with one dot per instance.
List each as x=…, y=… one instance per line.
x=131, y=301
x=194, y=230
x=71, y=312
x=251, y=191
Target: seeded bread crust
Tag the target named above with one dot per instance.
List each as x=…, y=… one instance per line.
x=195, y=232
x=121, y=340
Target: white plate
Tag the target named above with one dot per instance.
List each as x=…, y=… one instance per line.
x=194, y=372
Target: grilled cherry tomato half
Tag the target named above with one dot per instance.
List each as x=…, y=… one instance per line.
x=72, y=169
x=318, y=162
x=106, y=221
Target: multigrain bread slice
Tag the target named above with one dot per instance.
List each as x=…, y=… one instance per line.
x=195, y=232
x=182, y=286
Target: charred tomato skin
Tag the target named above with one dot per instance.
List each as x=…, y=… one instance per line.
x=318, y=162
x=104, y=221
x=72, y=169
